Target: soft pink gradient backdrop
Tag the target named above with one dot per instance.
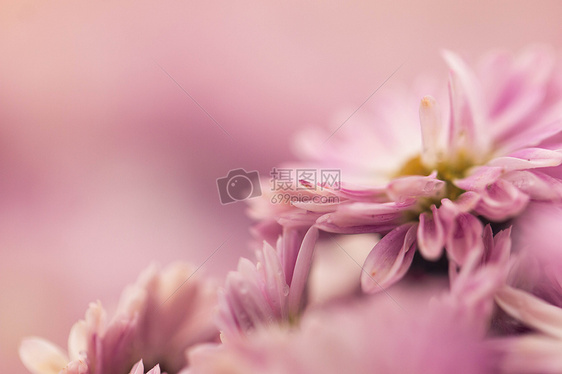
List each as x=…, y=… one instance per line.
x=106, y=165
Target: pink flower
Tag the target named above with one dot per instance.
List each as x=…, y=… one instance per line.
x=157, y=319
x=257, y=295
x=374, y=335
x=479, y=160
x=380, y=333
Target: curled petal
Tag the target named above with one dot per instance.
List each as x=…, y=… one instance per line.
x=537, y=185
x=497, y=248
x=464, y=236
x=410, y=188
x=364, y=217
x=501, y=200
x=431, y=235
x=332, y=223
x=390, y=259
x=298, y=220
x=42, y=357
x=374, y=211
x=531, y=310
x=312, y=206
x=528, y=158
x=363, y=193
x=449, y=210
x=479, y=178
x=467, y=201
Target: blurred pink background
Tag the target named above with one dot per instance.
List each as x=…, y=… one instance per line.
x=106, y=165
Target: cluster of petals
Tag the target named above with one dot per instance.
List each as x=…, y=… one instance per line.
x=532, y=297
x=375, y=334
x=267, y=292
x=483, y=156
x=157, y=319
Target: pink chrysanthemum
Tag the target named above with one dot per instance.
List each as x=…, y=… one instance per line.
x=477, y=159
x=257, y=295
x=157, y=319
x=377, y=334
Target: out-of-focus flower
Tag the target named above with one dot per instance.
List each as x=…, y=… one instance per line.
x=537, y=239
x=376, y=334
x=260, y=294
x=478, y=158
x=536, y=352
x=157, y=319
x=372, y=336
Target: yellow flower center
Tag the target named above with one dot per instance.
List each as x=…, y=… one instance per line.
x=447, y=171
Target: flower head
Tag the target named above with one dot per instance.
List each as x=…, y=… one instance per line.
x=157, y=319
x=257, y=295
x=477, y=159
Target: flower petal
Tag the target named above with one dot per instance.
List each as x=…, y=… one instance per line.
x=288, y=245
x=449, y=210
x=358, y=214
x=431, y=235
x=244, y=298
x=365, y=217
x=529, y=137
x=501, y=200
x=42, y=357
x=302, y=270
x=537, y=185
x=467, y=130
x=531, y=310
x=479, y=179
x=154, y=370
x=363, y=193
x=433, y=132
x=497, y=248
x=138, y=368
x=390, y=259
x=312, y=206
x=410, y=188
x=332, y=223
x=77, y=340
x=464, y=236
x=528, y=158
x=276, y=287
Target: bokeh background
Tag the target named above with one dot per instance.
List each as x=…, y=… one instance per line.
x=107, y=166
